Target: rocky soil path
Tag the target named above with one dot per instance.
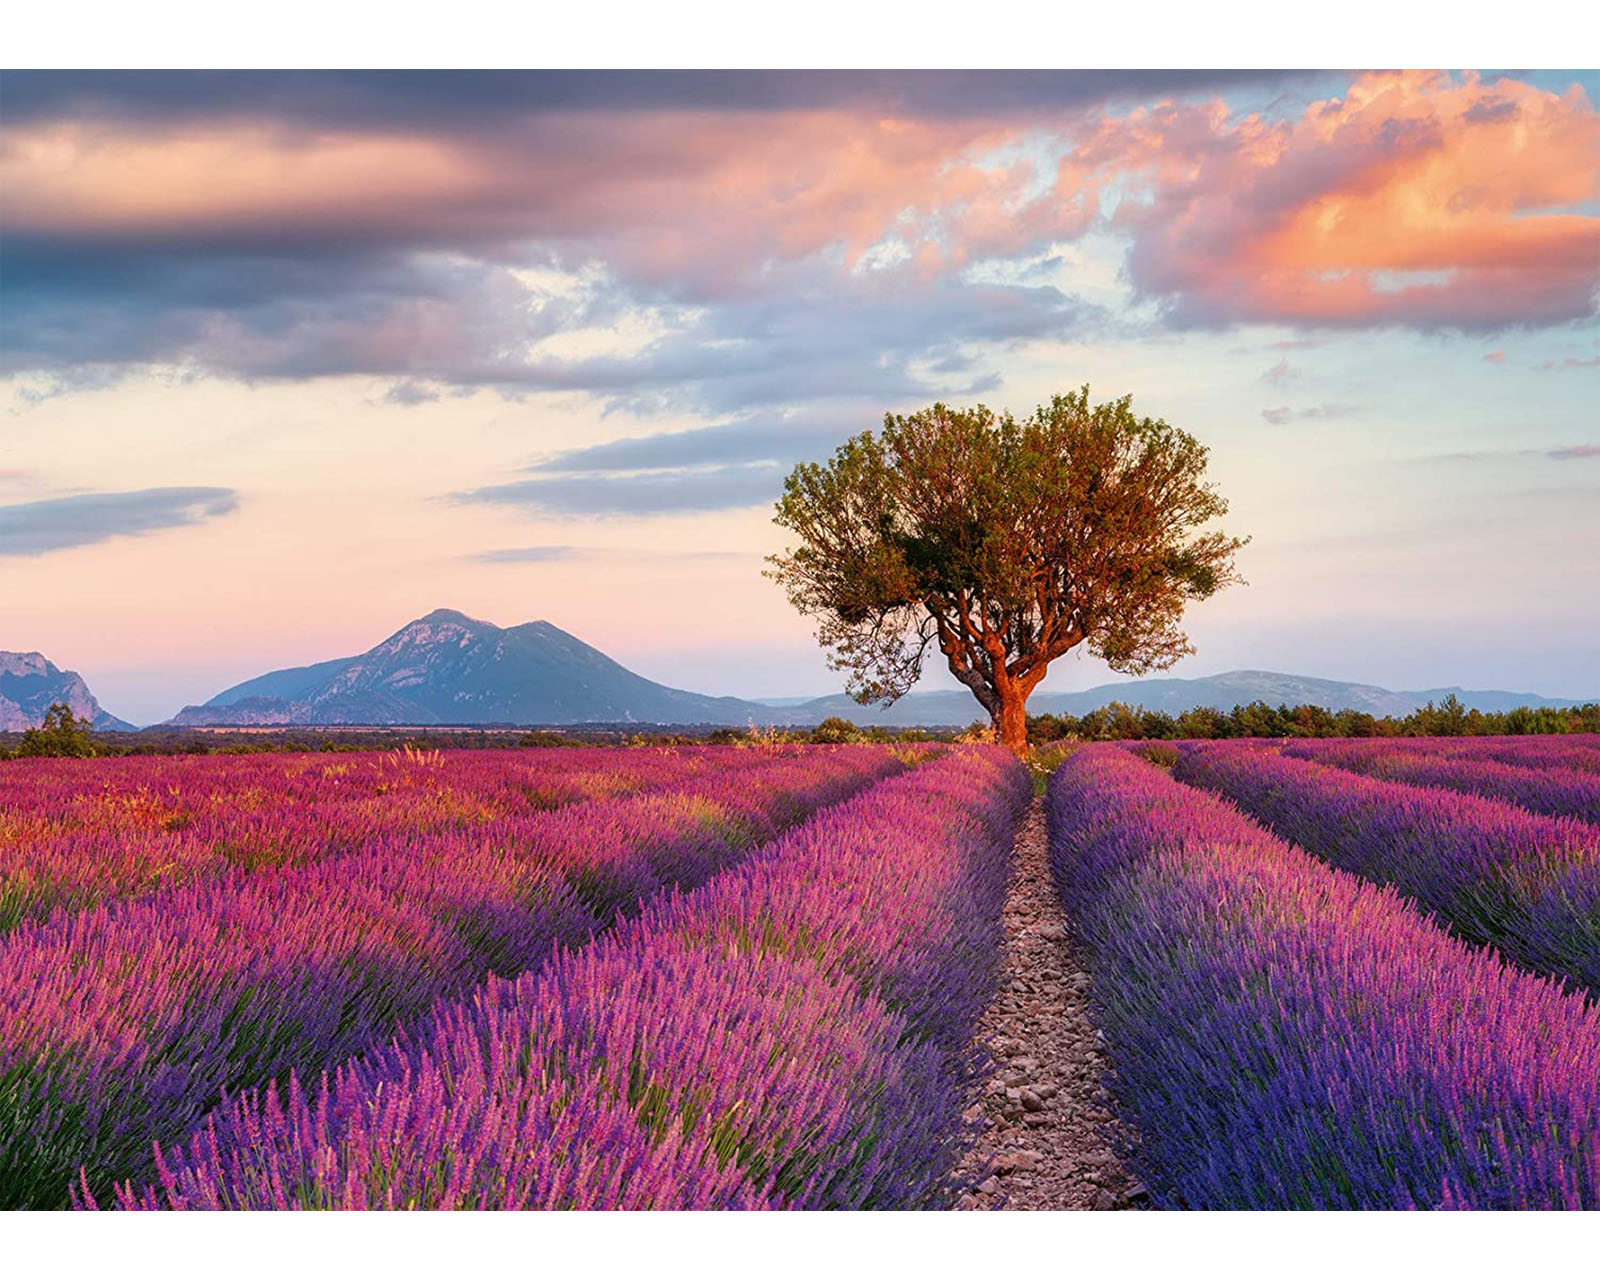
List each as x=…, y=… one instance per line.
x=1048, y=1140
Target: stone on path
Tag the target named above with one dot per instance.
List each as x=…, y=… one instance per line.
x=1049, y=1138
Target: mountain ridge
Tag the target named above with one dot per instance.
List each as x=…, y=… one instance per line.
x=30, y=682
x=1176, y=695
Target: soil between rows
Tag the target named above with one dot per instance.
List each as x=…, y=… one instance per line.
x=1048, y=1138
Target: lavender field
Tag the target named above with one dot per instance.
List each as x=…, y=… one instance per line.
x=1350, y=974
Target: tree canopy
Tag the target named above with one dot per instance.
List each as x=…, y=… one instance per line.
x=61, y=734
x=1004, y=544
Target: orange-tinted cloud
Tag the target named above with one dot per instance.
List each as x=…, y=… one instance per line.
x=1417, y=198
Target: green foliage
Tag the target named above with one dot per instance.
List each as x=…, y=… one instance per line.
x=1163, y=754
x=61, y=734
x=1117, y=722
x=836, y=729
x=1044, y=760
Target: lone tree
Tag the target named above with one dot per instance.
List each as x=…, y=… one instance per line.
x=1005, y=543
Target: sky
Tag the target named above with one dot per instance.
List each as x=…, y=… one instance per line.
x=288, y=359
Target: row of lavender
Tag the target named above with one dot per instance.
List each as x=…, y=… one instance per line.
x=123, y=1024
x=1556, y=789
x=77, y=832
x=1286, y=1035
x=1566, y=751
x=1526, y=883
x=797, y=1034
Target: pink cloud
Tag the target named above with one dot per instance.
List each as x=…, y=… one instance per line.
x=1570, y=362
x=1416, y=198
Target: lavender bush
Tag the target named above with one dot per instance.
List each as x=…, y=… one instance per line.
x=125, y=1023
x=1528, y=884
x=1543, y=788
x=1286, y=1036
x=796, y=1034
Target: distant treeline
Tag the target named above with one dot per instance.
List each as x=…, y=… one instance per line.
x=62, y=734
x=1449, y=719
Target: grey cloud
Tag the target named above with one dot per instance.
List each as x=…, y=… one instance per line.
x=548, y=554
x=528, y=555
x=452, y=101
x=424, y=293
x=641, y=493
x=720, y=467
x=34, y=528
x=435, y=327
x=767, y=438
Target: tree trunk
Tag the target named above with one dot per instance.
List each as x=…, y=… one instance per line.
x=1011, y=721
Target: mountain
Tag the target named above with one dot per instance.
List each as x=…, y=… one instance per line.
x=447, y=668
x=1222, y=691
x=30, y=682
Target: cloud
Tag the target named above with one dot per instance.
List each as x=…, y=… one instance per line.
x=453, y=100
x=528, y=555
x=725, y=466
x=1558, y=453
x=1280, y=373
x=1570, y=362
x=1416, y=199
x=764, y=238
x=639, y=493
x=753, y=438
x=1312, y=413
x=549, y=554
x=34, y=528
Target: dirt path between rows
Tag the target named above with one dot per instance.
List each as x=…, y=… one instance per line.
x=1047, y=1144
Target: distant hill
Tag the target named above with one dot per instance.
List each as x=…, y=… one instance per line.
x=447, y=668
x=30, y=682
x=1222, y=691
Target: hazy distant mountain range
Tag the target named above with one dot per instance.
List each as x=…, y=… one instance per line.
x=449, y=669
x=1224, y=691
x=30, y=682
